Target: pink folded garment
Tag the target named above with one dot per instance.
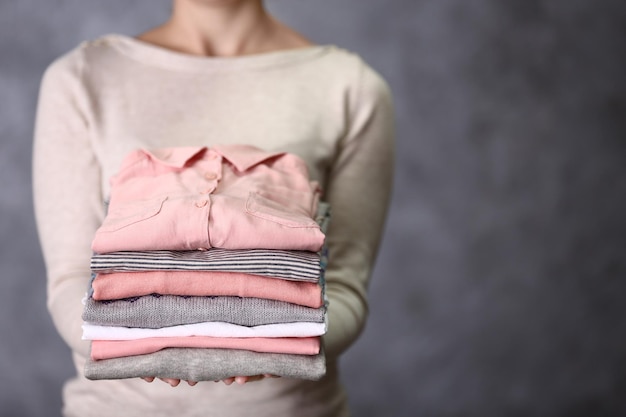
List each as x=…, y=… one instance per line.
x=107, y=349
x=202, y=283
x=228, y=196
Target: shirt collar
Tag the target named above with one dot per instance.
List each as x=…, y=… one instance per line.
x=174, y=157
x=244, y=157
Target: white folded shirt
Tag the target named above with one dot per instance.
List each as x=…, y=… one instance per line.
x=213, y=329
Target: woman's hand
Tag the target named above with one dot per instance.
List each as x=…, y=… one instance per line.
x=228, y=381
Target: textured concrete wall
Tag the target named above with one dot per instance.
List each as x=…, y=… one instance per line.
x=499, y=289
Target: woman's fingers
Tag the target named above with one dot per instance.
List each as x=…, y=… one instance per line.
x=172, y=381
x=228, y=381
x=240, y=380
x=244, y=379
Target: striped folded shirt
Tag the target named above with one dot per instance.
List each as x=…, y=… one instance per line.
x=291, y=265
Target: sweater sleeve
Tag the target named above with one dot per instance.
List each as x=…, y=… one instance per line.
x=67, y=197
x=358, y=190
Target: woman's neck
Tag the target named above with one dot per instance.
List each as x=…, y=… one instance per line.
x=222, y=28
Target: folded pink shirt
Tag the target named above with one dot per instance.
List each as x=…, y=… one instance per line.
x=226, y=196
x=202, y=283
x=107, y=349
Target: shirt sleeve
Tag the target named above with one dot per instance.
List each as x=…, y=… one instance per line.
x=67, y=197
x=358, y=190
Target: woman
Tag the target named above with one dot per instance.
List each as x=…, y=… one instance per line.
x=218, y=71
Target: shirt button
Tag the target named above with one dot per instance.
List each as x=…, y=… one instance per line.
x=206, y=191
x=210, y=175
x=201, y=203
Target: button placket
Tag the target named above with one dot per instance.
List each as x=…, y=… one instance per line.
x=211, y=172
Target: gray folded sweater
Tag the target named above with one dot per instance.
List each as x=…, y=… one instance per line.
x=156, y=311
x=193, y=364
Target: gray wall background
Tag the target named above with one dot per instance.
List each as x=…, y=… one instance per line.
x=500, y=287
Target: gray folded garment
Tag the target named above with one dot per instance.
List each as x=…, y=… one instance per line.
x=207, y=365
x=156, y=311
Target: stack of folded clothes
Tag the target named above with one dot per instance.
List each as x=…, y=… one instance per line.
x=209, y=264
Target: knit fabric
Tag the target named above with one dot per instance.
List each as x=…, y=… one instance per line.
x=207, y=365
x=155, y=311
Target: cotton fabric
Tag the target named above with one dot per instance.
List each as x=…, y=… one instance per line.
x=227, y=196
x=284, y=264
x=108, y=349
x=131, y=284
x=211, y=328
x=207, y=364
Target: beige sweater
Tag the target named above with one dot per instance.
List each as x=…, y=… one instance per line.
x=112, y=95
